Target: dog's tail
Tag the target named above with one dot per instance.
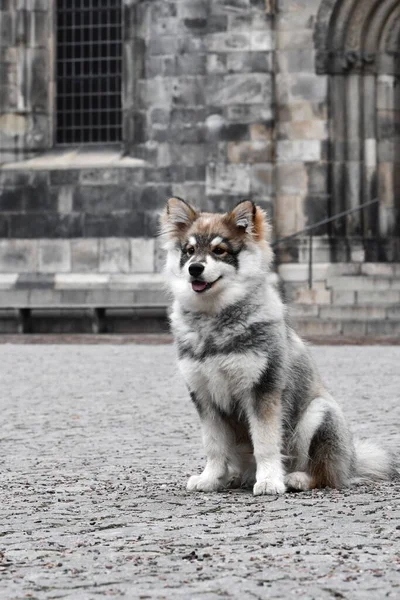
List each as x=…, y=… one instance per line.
x=373, y=463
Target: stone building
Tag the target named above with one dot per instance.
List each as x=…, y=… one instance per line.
x=108, y=107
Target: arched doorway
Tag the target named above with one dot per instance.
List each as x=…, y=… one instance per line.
x=358, y=46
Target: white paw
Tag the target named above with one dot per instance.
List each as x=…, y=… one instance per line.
x=298, y=481
x=269, y=486
x=199, y=483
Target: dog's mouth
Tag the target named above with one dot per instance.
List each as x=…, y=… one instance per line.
x=202, y=286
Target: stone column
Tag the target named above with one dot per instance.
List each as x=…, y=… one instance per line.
x=302, y=121
x=25, y=74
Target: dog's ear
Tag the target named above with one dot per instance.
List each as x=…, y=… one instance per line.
x=250, y=219
x=177, y=217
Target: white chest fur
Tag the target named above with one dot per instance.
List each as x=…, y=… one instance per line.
x=223, y=378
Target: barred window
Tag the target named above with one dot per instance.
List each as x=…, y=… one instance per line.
x=89, y=69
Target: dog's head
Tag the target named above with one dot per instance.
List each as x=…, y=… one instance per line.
x=214, y=260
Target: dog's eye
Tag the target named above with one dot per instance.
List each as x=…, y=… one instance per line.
x=219, y=251
x=190, y=250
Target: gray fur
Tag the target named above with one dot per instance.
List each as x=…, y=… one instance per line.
x=248, y=373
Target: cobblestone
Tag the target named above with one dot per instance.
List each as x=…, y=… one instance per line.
x=97, y=443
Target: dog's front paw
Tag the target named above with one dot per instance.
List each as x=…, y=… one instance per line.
x=200, y=483
x=269, y=486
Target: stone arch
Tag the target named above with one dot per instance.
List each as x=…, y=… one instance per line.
x=358, y=45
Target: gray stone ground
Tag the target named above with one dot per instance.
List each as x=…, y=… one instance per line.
x=96, y=445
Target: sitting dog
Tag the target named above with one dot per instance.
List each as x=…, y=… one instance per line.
x=266, y=417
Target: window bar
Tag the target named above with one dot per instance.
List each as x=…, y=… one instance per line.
x=89, y=67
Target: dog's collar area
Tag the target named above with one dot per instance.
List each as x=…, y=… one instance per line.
x=199, y=286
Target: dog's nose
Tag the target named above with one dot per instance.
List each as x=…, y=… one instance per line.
x=196, y=269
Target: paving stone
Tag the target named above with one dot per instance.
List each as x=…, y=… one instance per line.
x=97, y=445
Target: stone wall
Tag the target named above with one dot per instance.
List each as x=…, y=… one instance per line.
x=26, y=78
x=222, y=100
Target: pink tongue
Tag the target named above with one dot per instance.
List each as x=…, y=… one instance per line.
x=199, y=286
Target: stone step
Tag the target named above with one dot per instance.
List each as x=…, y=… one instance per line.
x=82, y=290
x=317, y=327
x=298, y=272
x=371, y=283
x=346, y=312
x=364, y=297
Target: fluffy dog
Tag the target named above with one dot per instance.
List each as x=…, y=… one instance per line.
x=266, y=417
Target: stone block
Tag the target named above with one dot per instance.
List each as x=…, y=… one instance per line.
x=304, y=310
x=101, y=199
x=99, y=176
x=295, y=89
x=360, y=283
x=262, y=41
x=239, y=89
x=194, y=9
x=289, y=214
x=81, y=281
x=291, y=178
x=261, y=131
x=45, y=225
x=393, y=312
x=229, y=41
x=249, y=113
x=303, y=130
x=321, y=250
x=18, y=256
x=14, y=298
x=262, y=180
x=371, y=297
x=318, y=178
x=298, y=151
x=54, y=256
x=159, y=256
x=384, y=269
x=385, y=328
x=247, y=62
x=44, y=298
x=318, y=294
x=295, y=60
x=256, y=151
x=85, y=255
x=8, y=280
x=317, y=327
x=216, y=63
x=37, y=28
x=295, y=39
x=4, y=226
x=343, y=297
x=142, y=255
x=147, y=297
x=351, y=313
x=357, y=253
x=65, y=198
x=193, y=192
x=114, y=255
x=189, y=154
x=227, y=179
x=35, y=281
x=354, y=328
x=11, y=200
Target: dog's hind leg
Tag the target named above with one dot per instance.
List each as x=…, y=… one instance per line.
x=298, y=481
x=323, y=447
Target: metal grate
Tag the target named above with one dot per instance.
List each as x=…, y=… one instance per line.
x=89, y=68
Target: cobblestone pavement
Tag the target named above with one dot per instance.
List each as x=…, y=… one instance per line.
x=96, y=445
